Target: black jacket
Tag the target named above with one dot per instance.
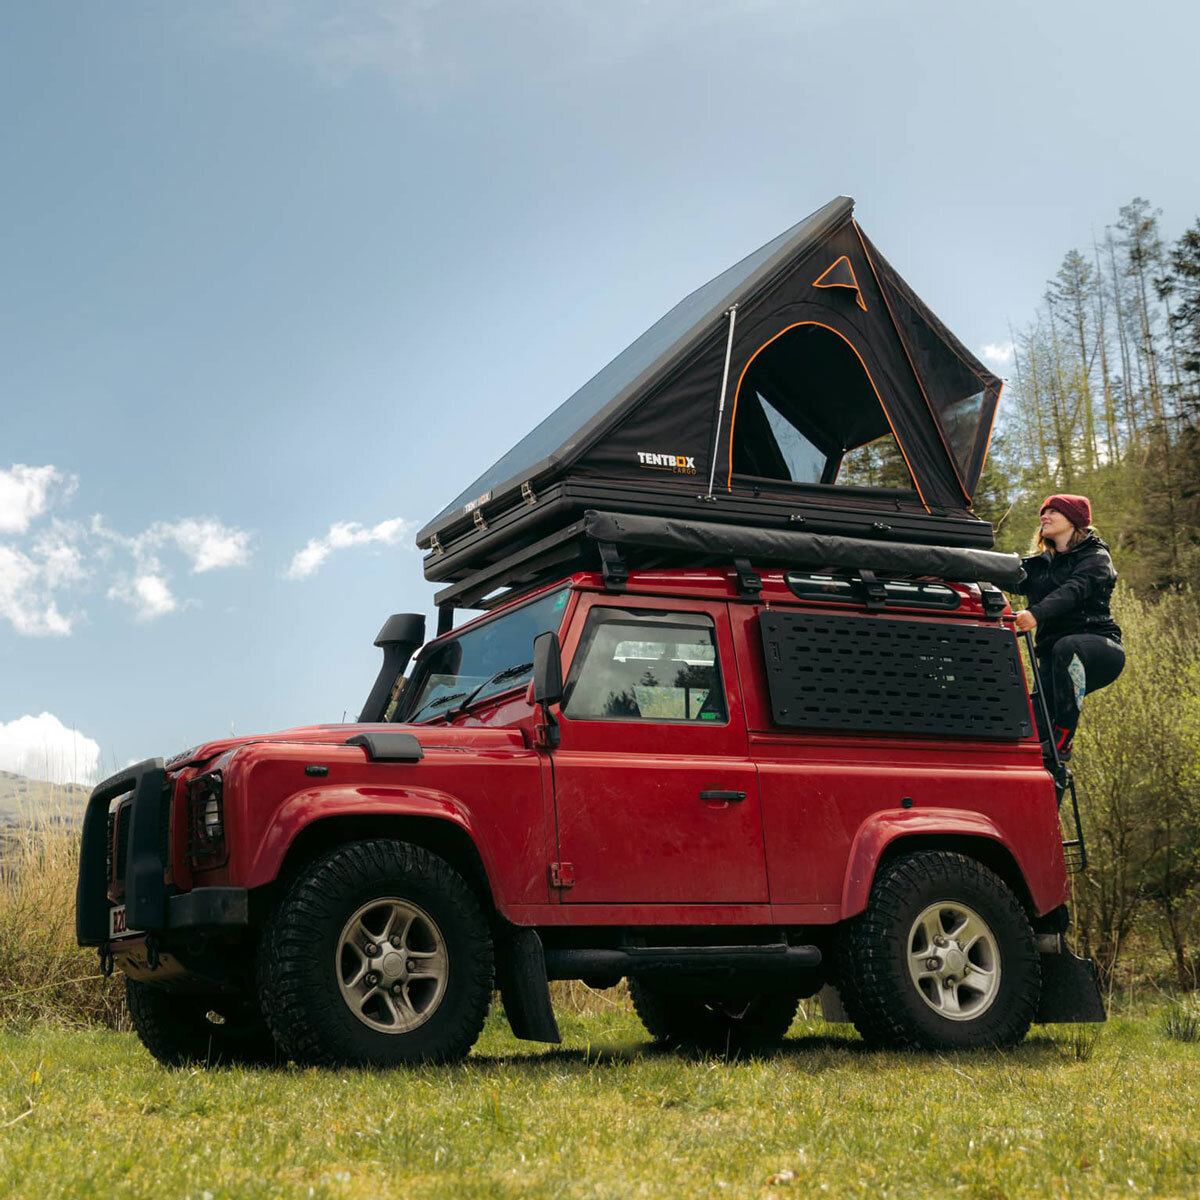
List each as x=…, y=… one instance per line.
x=1069, y=593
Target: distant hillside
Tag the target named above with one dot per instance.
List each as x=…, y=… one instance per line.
x=21, y=797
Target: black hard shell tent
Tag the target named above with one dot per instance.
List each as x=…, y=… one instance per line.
x=738, y=407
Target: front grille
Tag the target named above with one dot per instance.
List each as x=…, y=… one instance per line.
x=120, y=846
x=164, y=844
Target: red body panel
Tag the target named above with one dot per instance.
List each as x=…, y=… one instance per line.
x=619, y=800
x=485, y=781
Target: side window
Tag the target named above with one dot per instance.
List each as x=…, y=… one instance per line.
x=636, y=666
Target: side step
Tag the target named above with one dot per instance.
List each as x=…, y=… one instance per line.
x=642, y=960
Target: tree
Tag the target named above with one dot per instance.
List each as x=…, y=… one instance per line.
x=1185, y=320
x=1070, y=299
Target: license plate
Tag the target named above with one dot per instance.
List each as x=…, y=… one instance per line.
x=116, y=923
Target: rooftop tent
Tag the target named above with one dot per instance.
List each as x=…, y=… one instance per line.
x=822, y=348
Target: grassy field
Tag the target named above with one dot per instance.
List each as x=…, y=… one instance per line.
x=1067, y=1114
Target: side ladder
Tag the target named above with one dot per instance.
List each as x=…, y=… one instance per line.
x=1074, y=849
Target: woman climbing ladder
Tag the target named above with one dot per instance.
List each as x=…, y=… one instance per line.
x=1069, y=577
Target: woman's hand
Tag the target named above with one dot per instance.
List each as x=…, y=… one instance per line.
x=1026, y=620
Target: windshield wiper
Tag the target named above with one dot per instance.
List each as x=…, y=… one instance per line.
x=499, y=677
x=438, y=702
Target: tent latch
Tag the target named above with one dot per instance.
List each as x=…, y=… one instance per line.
x=798, y=519
x=881, y=527
x=527, y=493
x=480, y=523
x=436, y=546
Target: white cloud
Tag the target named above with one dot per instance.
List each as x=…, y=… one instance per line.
x=341, y=535
x=42, y=747
x=40, y=558
x=25, y=493
x=58, y=551
x=148, y=594
x=25, y=596
x=998, y=354
x=207, y=542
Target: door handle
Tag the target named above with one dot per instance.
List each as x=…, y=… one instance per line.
x=731, y=797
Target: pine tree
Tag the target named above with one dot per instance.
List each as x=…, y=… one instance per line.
x=1185, y=320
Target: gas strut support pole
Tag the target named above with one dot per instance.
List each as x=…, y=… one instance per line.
x=712, y=469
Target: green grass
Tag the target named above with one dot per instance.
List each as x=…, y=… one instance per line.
x=90, y=1114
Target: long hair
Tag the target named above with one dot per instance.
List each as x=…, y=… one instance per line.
x=1039, y=545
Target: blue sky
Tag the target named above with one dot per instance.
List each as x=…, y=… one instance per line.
x=282, y=277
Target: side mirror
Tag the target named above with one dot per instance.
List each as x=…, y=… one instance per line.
x=547, y=685
x=547, y=669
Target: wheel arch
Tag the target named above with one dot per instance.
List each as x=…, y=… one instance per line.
x=445, y=838
x=884, y=839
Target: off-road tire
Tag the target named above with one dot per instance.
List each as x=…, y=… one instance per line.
x=680, y=1015
x=876, y=989
x=179, y=1029
x=297, y=979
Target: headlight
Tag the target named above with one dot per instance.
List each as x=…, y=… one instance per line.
x=212, y=817
x=206, y=820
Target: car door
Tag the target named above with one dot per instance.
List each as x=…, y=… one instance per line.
x=656, y=799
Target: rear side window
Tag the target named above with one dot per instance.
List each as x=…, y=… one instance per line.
x=646, y=667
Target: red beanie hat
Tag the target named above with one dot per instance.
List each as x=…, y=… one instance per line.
x=1077, y=509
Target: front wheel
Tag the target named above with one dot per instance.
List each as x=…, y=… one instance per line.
x=378, y=955
x=943, y=958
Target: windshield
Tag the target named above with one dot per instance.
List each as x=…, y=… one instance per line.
x=493, y=658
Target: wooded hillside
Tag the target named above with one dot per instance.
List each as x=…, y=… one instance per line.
x=1104, y=399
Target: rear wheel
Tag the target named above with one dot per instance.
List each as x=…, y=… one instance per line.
x=213, y=1030
x=380, y=955
x=943, y=958
x=712, y=1020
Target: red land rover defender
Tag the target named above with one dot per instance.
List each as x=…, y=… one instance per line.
x=732, y=788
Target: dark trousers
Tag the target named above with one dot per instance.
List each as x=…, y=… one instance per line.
x=1074, y=667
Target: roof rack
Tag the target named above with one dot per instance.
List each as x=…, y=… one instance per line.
x=617, y=543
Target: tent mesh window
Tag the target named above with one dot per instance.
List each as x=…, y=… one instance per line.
x=807, y=401
x=882, y=675
x=876, y=464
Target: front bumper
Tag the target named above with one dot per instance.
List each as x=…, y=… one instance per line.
x=151, y=905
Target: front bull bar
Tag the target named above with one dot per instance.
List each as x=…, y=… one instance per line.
x=145, y=888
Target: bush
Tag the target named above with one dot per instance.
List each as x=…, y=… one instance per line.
x=44, y=975
x=1136, y=763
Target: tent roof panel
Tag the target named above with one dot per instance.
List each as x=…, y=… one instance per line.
x=645, y=360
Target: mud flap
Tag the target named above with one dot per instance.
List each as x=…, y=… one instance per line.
x=521, y=978
x=1070, y=990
